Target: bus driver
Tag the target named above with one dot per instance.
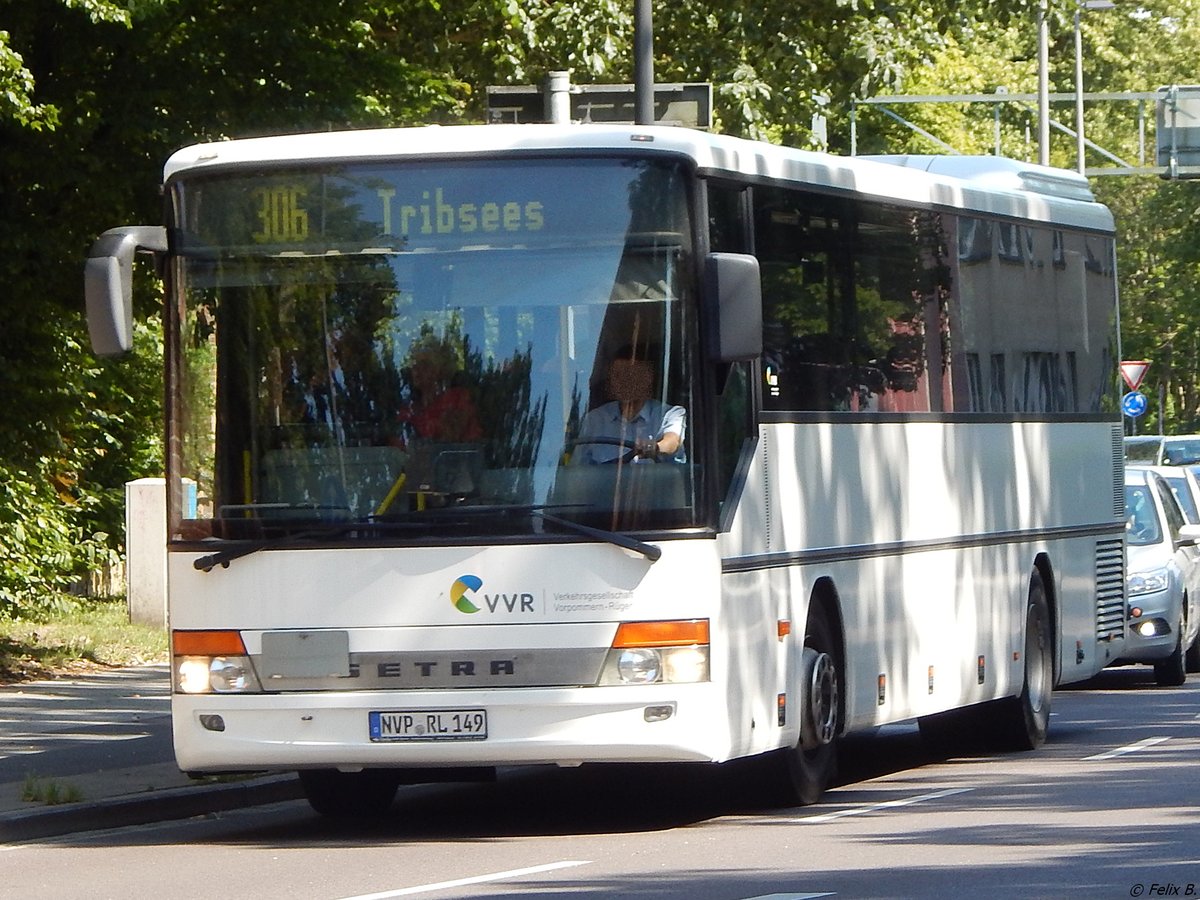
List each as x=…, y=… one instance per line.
x=633, y=420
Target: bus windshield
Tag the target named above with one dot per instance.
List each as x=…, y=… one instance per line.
x=433, y=350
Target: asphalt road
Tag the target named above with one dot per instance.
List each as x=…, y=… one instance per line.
x=1107, y=809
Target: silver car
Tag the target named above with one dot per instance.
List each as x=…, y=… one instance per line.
x=1162, y=580
x=1163, y=450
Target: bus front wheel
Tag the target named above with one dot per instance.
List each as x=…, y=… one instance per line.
x=801, y=773
x=339, y=795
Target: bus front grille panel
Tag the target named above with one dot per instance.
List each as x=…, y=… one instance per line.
x=446, y=670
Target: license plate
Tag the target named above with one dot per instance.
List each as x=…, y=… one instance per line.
x=429, y=725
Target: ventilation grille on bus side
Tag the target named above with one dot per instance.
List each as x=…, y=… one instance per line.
x=1110, y=590
x=1118, y=455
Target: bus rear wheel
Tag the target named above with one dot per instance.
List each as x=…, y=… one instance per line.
x=1024, y=720
x=800, y=774
x=1012, y=723
x=340, y=795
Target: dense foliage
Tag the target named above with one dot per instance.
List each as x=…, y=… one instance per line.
x=94, y=94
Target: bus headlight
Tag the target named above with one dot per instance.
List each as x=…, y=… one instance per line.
x=215, y=675
x=641, y=665
x=682, y=665
x=212, y=662
x=658, y=653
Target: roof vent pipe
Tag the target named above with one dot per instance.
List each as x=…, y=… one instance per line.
x=558, y=98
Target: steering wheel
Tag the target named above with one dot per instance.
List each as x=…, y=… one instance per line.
x=630, y=447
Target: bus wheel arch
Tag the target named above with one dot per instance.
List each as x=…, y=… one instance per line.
x=800, y=774
x=1023, y=720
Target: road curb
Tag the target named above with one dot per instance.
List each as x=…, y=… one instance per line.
x=152, y=806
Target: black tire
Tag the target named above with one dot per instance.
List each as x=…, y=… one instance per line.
x=1171, y=672
x=1013, y=723
x=1022, y=721
x=799, y=775
x=340, y=795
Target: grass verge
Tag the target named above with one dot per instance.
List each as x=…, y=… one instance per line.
x=84, y=635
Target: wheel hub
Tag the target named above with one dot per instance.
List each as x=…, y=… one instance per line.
x=819, y=724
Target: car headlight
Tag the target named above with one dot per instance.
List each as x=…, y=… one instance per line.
x=1147, y=582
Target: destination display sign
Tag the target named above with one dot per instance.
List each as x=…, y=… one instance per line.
x=406, y=207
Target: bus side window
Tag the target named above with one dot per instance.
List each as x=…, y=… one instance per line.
x=727, y=218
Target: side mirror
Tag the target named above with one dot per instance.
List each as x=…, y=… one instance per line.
x=108, y=284
x=1189, y=536
x=734, y=290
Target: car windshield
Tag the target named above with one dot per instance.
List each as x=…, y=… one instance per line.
x=389, y=344
x=1141, y=518
x=1180, y=488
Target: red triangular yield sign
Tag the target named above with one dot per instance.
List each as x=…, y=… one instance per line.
x=1133, y=371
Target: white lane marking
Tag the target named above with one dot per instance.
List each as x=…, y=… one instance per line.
x=1129, y=748
x=791, y=896
x=874, y=807
x=475, y=879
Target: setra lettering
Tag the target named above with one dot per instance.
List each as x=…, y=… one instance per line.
x=457, y=668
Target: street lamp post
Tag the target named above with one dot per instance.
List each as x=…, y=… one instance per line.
x=1080, y=6
x=1043, y=86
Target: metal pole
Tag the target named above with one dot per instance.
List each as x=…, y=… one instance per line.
x=1043, y=42
x=643, y=63
x=1079, y=148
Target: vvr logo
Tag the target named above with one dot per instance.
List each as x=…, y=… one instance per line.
x=466, y=585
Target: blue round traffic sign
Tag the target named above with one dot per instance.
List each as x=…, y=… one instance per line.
x=1134, y=404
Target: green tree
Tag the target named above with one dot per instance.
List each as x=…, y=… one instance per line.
x=93, y=96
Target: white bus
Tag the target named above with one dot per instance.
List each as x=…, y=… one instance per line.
x=417, y=531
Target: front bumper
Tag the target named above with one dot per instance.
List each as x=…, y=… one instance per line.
x=296, y=731
x=1157, y=609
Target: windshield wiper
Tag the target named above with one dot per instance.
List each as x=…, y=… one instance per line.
x=650, y=551
x=624, y=541
x=224, y=557
x=406, y=521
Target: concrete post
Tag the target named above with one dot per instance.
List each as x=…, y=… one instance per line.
x=146, y=551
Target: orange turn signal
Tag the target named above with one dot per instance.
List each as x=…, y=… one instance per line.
x=207, y=643
x=661, y=634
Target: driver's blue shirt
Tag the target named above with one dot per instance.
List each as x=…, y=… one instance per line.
x=654, y=420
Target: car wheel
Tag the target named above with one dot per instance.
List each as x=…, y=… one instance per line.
x=1171, y=671
x=339, y=795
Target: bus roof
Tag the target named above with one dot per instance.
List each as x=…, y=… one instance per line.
x=986, y=185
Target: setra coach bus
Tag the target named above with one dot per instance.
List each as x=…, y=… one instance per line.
x=503, y=445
